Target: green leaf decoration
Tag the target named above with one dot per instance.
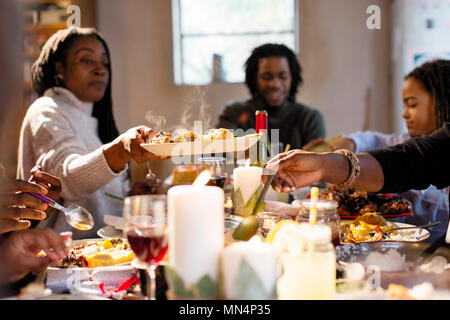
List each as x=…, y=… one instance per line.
x=238, y=201
x=246, y=209
x=251, y=203
x=247, y=285
x=207, y=287
x=176, y=284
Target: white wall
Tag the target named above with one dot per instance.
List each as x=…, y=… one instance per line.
x=340, y=56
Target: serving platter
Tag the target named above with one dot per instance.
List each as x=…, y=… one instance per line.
x=354, y=216
x=405, y=235
x=239, y=144
x=81, y=241
x=387, y=216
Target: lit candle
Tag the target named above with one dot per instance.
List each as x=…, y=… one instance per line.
x=196, y=231
x=261, y=257
x=247, y=179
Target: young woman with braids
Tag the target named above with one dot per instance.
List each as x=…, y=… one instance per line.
x=70, y=130
x=426, y=98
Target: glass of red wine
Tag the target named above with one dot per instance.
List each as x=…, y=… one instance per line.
x=216, y=165
x=145, y=227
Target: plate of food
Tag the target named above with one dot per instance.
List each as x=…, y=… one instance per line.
x=353, y=203
x=372, y=227
x=92, y=253
x=189, y=143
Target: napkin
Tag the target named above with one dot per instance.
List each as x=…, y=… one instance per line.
x=89, y=280
x=281, y=208
x=116, y=222
x=92, y=287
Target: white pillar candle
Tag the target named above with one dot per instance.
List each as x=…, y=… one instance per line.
x=196, y=231
x=248, y=179
x=261, y=257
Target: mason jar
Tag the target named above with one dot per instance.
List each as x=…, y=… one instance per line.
x=326, y=214
x=309, y=266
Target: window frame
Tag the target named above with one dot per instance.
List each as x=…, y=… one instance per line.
x=177, y=39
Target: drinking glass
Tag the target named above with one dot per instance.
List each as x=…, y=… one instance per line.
x=145, y=227
x=216, y=165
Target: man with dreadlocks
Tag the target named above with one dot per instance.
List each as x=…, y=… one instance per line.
x=426, y=98
x=70, y=130
x=273, y=75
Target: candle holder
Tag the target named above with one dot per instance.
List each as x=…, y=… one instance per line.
x=249, y=271
x=245, y=209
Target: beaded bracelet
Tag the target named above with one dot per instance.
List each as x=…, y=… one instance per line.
x=354, y=166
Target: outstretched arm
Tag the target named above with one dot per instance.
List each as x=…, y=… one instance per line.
x=299, y=168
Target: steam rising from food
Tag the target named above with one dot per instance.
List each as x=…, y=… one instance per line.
x=194, y=117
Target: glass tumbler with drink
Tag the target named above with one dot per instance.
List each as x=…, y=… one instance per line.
x=216, y=165
x=145, y=218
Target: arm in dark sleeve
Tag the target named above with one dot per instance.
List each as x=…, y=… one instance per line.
x=417, y=163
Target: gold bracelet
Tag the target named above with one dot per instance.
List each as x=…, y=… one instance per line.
x=355, y=169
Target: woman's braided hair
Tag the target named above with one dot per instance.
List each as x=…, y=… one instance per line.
x=435, y=79
x=44, y=75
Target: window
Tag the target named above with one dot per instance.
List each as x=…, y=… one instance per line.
x=222, y=34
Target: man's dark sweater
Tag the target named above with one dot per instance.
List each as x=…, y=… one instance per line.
x=298, y=124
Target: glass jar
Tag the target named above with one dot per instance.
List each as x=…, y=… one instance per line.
x=268, y=220
x=309, y=267
x=326, y=214
x=216, y=165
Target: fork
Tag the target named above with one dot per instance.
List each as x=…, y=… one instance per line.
x=150, y=177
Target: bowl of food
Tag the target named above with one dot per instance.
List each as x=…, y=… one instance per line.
x=384, y=263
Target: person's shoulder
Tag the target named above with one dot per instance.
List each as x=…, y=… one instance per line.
x=43, y=110
x=237, y=106
x=306, y=108
x=42, y=105
x=306, y=111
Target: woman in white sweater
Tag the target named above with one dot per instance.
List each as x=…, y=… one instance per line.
x=70, y=130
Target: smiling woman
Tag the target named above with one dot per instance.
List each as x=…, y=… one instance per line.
x=70, y=130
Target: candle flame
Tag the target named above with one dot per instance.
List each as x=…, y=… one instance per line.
x=202, y=178
x=247, y=162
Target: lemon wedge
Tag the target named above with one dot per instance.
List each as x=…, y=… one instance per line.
x=285, y=236
x=274, y=230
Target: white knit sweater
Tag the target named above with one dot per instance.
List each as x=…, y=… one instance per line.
x=60, y=134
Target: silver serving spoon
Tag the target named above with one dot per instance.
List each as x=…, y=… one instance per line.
x=424, y=226
x=150, y=177
x=76, y=216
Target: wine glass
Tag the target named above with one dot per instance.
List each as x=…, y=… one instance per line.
x=145, y=227
x=216, y=165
